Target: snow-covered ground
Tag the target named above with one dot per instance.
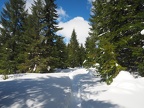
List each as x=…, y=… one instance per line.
x=71, y=88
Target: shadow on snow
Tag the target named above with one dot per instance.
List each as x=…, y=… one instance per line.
x=98, y=104
x=48, y=92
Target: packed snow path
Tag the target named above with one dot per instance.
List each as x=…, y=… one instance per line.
x=71, y=88
x=57, y=90
x=85, y=87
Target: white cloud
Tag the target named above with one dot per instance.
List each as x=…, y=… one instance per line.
x=28, y=5
x=90, y=1
x=62, y=14
x=80, y=25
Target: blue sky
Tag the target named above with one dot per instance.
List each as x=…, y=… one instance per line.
x=2, y=3
x=72, y=7
x=73, y=14
x=75, y=8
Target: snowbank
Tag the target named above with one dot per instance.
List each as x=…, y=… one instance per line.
x=124, y=80
x=123, y=75
x=125, y=91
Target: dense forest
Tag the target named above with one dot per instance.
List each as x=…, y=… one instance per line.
x=29, y=42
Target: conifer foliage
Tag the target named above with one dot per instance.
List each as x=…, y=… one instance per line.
x=116, y=26
x=49, y=41
x=90, y=56
x=73, y=51
x=28, y=42
x=13, y=22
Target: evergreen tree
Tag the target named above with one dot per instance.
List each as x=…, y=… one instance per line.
x=73, y=51
x=100, y=32
x=61, y=54
x=34, y=31
x=130, y=53
x=13, y=21
x=116, y=26
x=50, y=27
x=29, y=42
x=90, y=52
x=82, y=55
x=44, y=51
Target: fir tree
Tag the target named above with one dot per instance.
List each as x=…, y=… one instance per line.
x=61, y=54
x=73, y=51
x=90, y=52
x=100, y=32
x=50, y=27
x=128, y=34
x=13, y=21
x=82, y=55
x=116, y=26
x=34, y=31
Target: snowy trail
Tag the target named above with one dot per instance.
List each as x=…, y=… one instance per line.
x=85, y=89
x=71, y=88
x=76, y=87
x=56, y=90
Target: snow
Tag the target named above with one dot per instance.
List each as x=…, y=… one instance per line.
x=103, y=33
x=123, y=75
x=142, y=32
x=71, y=88
x=125, y=91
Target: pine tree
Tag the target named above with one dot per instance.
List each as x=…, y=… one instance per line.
x=13, y=21
x=34, y=32
x=116, y=26
x=50, y=27
x=130, y=53
x=100, y=32
x=90, y=52
x=61, y=54
x=73, y=51
x=82, y=55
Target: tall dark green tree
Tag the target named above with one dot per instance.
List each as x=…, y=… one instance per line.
x=128, y=34
x=34, y=32
x=29, y=42
x=82, y=55
x=50, y=27
x=73, y=51
x=12, y=20
x=61, y=54
x=90, y=45
x=116, y=25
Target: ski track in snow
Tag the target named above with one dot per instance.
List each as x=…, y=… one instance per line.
x=84, y=91
x=76, y=88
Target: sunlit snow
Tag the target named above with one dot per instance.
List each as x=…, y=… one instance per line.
x=71, y=88
x=142, y=32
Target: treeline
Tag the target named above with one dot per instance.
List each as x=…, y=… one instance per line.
x=29, y=43
x=115, y=37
